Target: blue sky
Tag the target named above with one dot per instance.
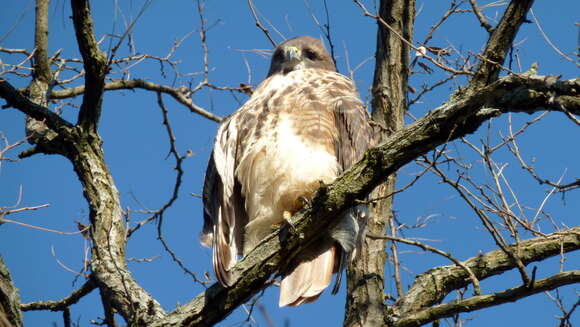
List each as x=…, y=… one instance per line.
x=136, y=146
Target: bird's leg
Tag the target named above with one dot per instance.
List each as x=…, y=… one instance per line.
x=301, y=202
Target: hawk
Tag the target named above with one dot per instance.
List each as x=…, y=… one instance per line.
x=304, y=125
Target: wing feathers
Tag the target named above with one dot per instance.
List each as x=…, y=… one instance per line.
x=224, y=214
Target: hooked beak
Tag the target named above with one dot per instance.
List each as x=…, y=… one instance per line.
x=293, y=60
x=293, y=54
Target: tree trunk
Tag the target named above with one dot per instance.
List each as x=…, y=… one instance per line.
x=10, y=315
x=365, y=305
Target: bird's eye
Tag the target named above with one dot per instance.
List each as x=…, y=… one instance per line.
x=310, y=54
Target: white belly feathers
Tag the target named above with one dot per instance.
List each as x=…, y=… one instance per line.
x=281, y=174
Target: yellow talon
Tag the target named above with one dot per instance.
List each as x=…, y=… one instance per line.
x=287, y=215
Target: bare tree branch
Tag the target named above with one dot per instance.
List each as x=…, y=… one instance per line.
x=179, y=94
x=94, y=62
x=41, y=65
x=60, y=305
x=449, y=278
x=259, y=24
x=480, y=16
x=499, y=43
x=485, y=301
x=476, y=286
x=15, y=99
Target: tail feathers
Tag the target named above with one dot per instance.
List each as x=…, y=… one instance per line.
x=224, y=257
x=308, y=279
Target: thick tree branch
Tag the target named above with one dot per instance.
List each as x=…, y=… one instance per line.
x=452, y=120
x=448, y=278
x=95, y=64
x=16, y=100
x=108, y=234
x=108, y=231
x=485, y=301
x=179, y=94
x=499, y=43
x=41, y=64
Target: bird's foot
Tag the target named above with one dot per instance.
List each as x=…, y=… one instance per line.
x=287, y=215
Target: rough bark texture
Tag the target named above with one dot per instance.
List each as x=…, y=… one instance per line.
x=84, y=150
x=499, y=44
x=39, y=86
x=484, y=301
x=442, y=280
x=366, y=278
x=94, y=62
x=10, y=315
x=108, y=264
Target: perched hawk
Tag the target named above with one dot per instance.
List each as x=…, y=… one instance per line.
x=304, y=125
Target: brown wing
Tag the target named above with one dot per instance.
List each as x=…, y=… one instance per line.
x=224, y=213
x=354, y=139
x=355, y=132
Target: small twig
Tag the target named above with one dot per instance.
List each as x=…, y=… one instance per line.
x=486, y=221
x=178, y=180
x=430, y=88
x=4, y=213
x=514, y=149
x=480, y=16
x=259, y=24
x=417, y=49
x=395, y=255
x=66, y=317
x=550, y=41
x=325, y=29
x=474, y=280
x=133, y=259
x=4, y=220
x=180, y=94
x=65, y=267
x=128, y=30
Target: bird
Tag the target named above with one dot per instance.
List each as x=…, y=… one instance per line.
x=302, y=127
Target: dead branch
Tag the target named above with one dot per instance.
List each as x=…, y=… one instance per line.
x=181, y=94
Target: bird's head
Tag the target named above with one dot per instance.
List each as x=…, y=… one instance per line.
x=300, y=53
